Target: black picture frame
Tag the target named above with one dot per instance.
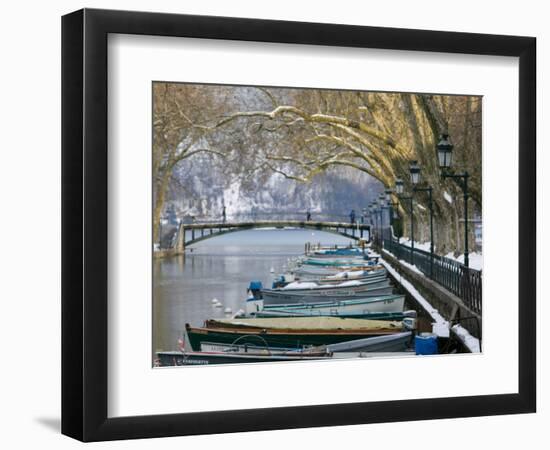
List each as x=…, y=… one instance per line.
x=84, y=224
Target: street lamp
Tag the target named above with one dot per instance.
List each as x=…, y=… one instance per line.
x=399, y=186
x=373, y=218
x=414, y=170
x=399, y=191
x=444, y=154
x=391, y=205
x=382, y=203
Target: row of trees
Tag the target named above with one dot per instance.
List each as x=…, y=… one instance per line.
x=300, y=133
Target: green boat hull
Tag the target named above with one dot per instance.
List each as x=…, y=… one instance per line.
x=270, y=339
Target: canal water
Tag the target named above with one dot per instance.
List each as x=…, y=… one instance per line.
x=221, y=268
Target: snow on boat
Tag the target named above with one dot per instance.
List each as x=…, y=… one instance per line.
x=360, y=275
x=332, y=270
x=312, y=292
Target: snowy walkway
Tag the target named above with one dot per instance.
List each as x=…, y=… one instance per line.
x=440, y=326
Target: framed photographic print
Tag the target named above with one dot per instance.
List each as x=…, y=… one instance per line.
x=274, y=225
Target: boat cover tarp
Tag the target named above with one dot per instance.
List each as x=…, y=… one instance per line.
x=310, y=323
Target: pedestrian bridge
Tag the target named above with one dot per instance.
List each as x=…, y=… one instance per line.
x=189, y=234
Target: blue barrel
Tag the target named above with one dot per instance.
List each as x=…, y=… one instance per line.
x=426, y=344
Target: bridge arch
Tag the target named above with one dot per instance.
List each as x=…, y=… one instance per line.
x=203, y=231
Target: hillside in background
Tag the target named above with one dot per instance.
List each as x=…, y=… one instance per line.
x=203, y=185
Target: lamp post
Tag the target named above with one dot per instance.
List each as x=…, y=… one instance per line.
x=382, y=203
x=414, y=170
x=399, y=191
x=374, y=219
x=392, y=206
x=445, y=153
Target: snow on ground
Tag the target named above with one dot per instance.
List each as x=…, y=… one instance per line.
x=467, y=339
x=405, y=263
x=475, y=259
x=439, y=326
x=419, y=245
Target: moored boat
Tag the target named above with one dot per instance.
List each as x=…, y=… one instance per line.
x=325, y=293
x=200, y=358
x=361, y=307
x=359, y=275
x=389, y=343
x=290, y=332
x=322, y=271
x=285, y=279
x=348, y=262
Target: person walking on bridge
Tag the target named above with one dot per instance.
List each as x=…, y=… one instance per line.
x=308, y=216
x=352, y=216
x=223, y=214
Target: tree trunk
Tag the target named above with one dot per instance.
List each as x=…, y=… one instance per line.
x=160, y=196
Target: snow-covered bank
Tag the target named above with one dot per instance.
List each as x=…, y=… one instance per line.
x=472, y=343
x=440, y=326
x=419, y=245
x=475, y=260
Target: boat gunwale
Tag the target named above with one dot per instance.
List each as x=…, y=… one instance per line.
x=304, y=305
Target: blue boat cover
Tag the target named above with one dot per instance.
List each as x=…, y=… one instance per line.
x=255, y=285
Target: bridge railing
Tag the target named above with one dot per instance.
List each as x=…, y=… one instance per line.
x=186, y=234
x=462, y=281
x=277, y=216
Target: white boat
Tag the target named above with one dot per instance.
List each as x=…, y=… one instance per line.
x=362, y=307
x=312, y=292
x=323, y=271
x=389, y=343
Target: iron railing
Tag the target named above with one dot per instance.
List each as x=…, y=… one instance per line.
x=462, y=281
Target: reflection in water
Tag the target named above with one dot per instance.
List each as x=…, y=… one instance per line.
x=221, y=268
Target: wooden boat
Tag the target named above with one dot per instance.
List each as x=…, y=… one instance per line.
x=320, y=271
x=340, y=252
x=373, y=316
x=348, y=262
x=358, y=275
x=382, y=305
x=177, y=358
x=200, y=358
x=315, y=293
x=328, y=282
x=389, y=343
x=347, y=275
x=339, y=287
x=292, y=332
